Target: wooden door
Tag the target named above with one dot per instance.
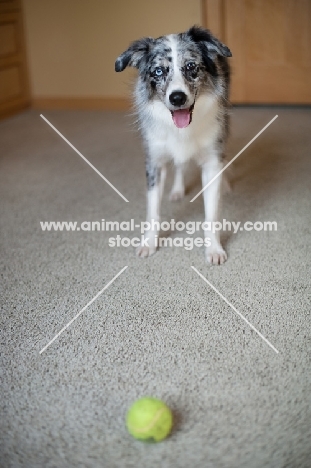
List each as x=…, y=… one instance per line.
x=14, y=91
x=270, y=42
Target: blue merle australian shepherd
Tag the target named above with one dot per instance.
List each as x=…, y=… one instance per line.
x=181, y=98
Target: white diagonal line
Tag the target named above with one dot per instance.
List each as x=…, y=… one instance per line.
x=84, y=158
x=236, y=156
x=235, y=310
x=82, y=310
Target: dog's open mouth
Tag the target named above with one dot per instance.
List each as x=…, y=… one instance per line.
x=182, y=117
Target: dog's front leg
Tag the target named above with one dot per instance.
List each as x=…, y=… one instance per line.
x=214, y=253
x=178, y=190
x=155, y=183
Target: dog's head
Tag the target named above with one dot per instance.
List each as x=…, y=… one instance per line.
x=175, y=68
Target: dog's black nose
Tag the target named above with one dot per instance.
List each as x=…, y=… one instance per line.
x=178, y=98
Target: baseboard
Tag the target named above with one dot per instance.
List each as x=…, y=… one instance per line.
x=14, y=107
x=92, y=103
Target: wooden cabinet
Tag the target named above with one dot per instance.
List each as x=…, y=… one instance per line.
x=270, y=42
x=14, y=88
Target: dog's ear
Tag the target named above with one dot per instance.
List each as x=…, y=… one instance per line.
x=210, y=47
x=133, y=56
x=207, y=41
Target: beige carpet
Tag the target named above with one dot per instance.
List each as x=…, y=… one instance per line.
x=159, y=329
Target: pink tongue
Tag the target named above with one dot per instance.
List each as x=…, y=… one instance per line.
x=181, y=118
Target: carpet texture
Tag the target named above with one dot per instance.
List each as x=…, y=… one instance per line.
x=159, y=329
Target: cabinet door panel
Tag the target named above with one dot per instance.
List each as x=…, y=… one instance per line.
x=14, y=89
x=270, y=42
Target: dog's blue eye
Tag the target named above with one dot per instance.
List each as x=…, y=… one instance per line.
x=191, y=66
x=158, y=71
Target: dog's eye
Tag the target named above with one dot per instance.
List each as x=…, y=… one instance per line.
x=191, y=66
x=158, y=71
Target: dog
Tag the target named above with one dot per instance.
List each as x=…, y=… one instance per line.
x=182, y=101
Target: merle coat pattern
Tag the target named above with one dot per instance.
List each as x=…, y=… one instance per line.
x=181, y=97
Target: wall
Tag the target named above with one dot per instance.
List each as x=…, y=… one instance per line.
x=72, y=44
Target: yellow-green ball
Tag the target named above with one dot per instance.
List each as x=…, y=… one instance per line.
x=149, y=419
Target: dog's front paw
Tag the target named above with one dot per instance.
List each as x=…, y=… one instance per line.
x=177, y=195
x=215, y=255
x=145, y=251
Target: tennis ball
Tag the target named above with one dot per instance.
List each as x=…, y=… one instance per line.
x=149, y=419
